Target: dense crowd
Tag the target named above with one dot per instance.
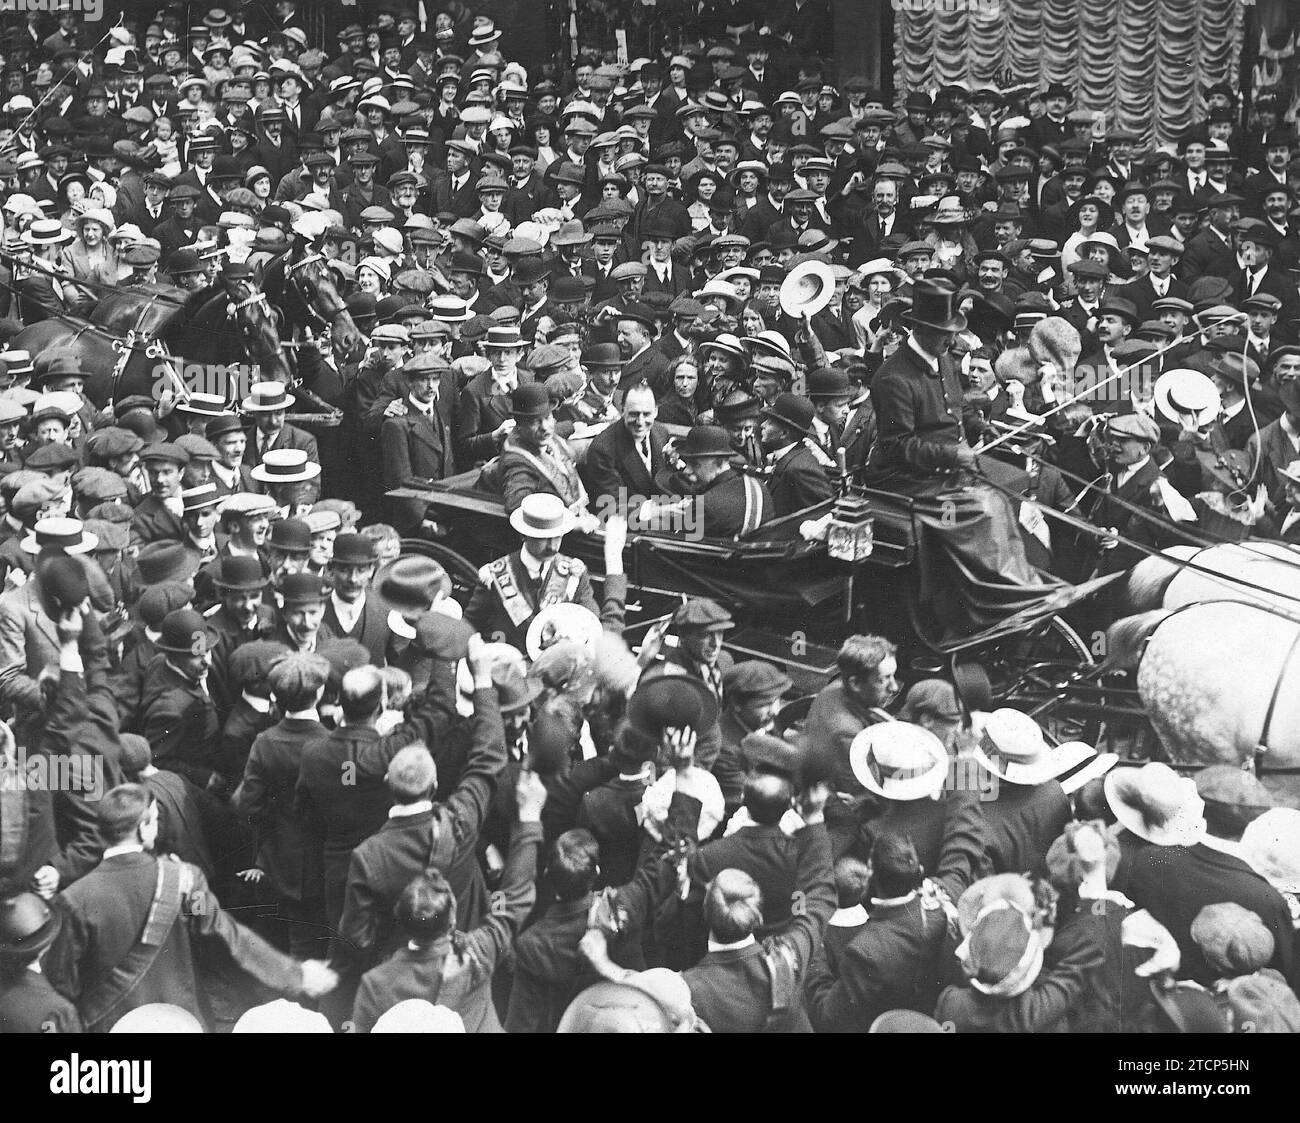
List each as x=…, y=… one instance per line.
x=268, y=765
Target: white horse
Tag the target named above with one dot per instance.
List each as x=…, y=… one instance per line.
x=1252, y=572
x=1220, y=683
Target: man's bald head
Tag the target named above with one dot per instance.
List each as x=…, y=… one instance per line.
x=361, y=693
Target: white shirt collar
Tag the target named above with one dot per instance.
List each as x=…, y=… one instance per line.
x=261, y=705
x=309, y=714
x=406, y=810
x=850, y=917
x=532, y=565
x=889, y=902
x=348, y=614
x=123, y=848
x=1128, y=473
x=715, y=945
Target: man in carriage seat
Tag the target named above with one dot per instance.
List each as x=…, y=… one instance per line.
x=921, y=451
x=517, y=587
x=536, y=461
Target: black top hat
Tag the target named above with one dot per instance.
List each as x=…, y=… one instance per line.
x=934, y=305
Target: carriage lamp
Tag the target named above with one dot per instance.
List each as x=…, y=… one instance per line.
x=851, y=534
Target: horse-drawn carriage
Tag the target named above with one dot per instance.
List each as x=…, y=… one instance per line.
x=795, y=598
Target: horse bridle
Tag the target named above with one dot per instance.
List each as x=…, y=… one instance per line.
x=306, y=288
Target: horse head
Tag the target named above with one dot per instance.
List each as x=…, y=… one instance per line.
x=257, y=323
x=304, y=275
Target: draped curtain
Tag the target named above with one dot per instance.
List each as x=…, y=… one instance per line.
x=1143, y=63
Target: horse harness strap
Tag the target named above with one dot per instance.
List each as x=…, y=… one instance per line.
x=1263, y=746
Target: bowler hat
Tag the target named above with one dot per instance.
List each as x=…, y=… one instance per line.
x=671, y=701
x=302, y=588
x=529, y=401
x=240, y=574
x=184, y=632
x=705, y=440
x=354, y=549
x=27, y=926
x=412, y=584
x=793, y=411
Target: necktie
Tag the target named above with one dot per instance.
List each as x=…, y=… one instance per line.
x=644, y=448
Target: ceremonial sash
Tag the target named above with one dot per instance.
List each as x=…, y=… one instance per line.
x=753, y=504
x=169, y=896
x=559, y=583
x=552, y=470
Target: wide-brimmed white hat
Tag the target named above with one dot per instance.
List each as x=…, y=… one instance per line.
x=100, y=215
x=1013, y=748
x=1183, y=395
x=899, y=760
x=1271, y=844
x=560, y=622
x=1157, y=804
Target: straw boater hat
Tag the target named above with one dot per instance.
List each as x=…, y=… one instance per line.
x=899, y=761
x=264, y=397
x=1012, y=748
x=542, y=516
x=286, y=466
x=1157, y=804
x=67, y=534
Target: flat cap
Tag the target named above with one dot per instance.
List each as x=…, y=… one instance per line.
x=703, y=614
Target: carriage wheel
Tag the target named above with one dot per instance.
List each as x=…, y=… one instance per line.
x=463, y=572
x=1033, y=672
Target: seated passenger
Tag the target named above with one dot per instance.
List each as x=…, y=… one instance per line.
x=534, y=460
x=720, y=501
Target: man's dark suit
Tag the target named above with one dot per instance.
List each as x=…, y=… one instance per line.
x=153, y=522
x=1143, y=294
x=416, y=450
x=1175, y=882
x=105, y=914
x=649, y=366
x=479, y=412
x=798, y=481
x=446, y=837
x=486, y=614
x=1207, y=255
x=371, y=629
x=613, y=463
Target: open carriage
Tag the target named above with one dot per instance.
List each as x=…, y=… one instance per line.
x=794, y=600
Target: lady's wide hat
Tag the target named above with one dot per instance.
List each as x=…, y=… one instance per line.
x=1156, y=804
x=934, y=305
x=1012, y=747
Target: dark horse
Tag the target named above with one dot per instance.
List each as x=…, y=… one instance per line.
x=299, y=283
x=136, y=338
